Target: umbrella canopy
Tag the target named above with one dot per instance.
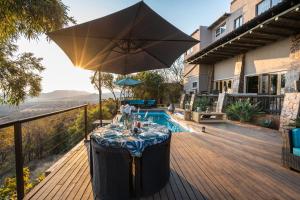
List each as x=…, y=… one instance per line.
x=127, y=82
x=132, y=40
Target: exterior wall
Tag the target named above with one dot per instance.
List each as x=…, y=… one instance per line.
x=271, y=58
x=224, y=69
x=229, y=24
x=213, y=31
x=188, y=83
x=205, y=37
x=204, y=77
x=191, y=72
x=248, y=8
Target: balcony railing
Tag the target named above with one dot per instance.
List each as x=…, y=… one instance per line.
x=270, y=104
x=18, y=142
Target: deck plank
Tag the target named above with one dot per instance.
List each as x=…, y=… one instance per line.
x=228, y=162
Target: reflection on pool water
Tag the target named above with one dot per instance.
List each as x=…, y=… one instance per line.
x=162, y=118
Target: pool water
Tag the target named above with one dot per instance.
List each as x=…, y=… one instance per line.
x=162, y=118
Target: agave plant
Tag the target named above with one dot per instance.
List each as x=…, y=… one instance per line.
x=242, y=110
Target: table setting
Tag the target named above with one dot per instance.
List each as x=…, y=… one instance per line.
x=148, y=148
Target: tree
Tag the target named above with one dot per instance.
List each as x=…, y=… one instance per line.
x=107, y=81
x=20, y=74
x=19, y=77
x=174, y=74
x=150, y=87
x=31, y=18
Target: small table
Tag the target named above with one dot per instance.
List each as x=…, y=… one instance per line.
x=114, y=135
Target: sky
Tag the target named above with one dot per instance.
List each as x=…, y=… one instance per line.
x=60, y=74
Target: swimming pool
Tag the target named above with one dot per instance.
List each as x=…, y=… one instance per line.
x=162, y=118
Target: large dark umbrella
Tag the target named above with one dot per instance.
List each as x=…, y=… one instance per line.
x=132, y=40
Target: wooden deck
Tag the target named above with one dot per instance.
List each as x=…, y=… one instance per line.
x=228, y=162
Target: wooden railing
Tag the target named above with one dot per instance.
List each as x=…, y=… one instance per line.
x=270, y=104
x=19, y=158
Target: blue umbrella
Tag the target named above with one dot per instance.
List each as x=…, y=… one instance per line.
x=128, y=82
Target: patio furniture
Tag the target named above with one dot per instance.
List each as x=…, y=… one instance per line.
x=155, y=168
x=212, y=117
x=140, y=103
x=149, y=150
x=111, y=172
x=291, y=148
x=209, y=117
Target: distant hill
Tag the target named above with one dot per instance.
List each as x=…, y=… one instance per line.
x=48, y=102
x=70, y=95
x=61, y=94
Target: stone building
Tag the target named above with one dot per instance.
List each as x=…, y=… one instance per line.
x=255, y=48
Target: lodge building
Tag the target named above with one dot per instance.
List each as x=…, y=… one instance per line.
x=255, y=48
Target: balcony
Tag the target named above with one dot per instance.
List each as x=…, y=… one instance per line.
x=228, y=162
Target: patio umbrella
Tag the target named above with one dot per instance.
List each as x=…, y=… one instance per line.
x=127, y=82
x=131, y=40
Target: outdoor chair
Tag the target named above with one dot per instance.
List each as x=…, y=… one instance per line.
x=111, y=170
x=295, y=138
x=291, y=149
x=150, y=103
x=155, y=168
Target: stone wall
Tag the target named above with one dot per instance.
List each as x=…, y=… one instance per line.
x=293, y=74
x=290, y=109
x=239, y=71
x=291, y=103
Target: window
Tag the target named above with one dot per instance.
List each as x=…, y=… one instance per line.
x=265, y=84
x=282, y=83
x=229, y=84
x=190, y=51
x=217, y=86
x=273, y=84
x=265, y=5
x=221, y=86
x=238, y=22
x=220, y=30
x=275, y=2
x=194, y=84
x=252, y=84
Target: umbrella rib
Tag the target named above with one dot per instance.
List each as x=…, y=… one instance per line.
x=140, y=40
x=156, y=58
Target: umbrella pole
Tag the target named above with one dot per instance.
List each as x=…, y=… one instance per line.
x=100, y=97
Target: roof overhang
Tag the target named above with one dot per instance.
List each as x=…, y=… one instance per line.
x=220, y=20
x=277, y=23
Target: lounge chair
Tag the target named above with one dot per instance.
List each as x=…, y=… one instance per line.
x=155, y=168
x=291, y=149
x=111, y=170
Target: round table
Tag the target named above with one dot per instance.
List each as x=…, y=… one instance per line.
x=154, y=139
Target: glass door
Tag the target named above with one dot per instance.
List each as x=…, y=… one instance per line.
x=252, y=84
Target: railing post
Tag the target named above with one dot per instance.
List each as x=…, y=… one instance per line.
x=19, y=160
x=85, y=122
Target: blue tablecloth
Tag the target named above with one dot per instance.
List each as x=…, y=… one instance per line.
x=115, y=136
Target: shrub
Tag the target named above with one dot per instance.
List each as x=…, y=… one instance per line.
x=203, y=103
x=296, y=123
x=242, y=110
x=8, y=189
